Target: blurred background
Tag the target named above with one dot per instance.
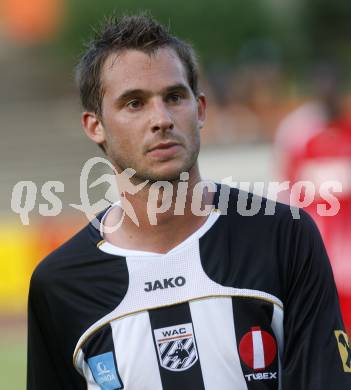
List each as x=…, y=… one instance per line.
x=277, y=76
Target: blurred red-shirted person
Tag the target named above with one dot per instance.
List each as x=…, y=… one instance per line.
x=327, y=157
x=313, y=143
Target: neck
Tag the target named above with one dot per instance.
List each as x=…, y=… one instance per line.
x=166, y=214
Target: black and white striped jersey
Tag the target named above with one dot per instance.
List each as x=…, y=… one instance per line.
x=243, y=303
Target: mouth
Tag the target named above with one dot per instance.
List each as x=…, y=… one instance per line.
x=164, y=149
x=163, y=145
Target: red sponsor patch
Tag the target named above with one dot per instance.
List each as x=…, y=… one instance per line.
x=258, y=349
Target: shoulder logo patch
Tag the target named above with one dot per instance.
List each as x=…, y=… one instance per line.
x=344, y=349
x=176, y=347
x=104, y=371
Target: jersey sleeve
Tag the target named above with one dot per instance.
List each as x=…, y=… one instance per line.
x=316, y=351
x=47, y=365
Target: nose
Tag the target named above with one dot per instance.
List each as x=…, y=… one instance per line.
x=161, y=120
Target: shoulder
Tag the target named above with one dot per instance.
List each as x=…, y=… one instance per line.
x=255, y=242
x=79, y=267
x=272, y=225
x=78, y=281
x=68, y=254
x=71, y=267
x=257, y=212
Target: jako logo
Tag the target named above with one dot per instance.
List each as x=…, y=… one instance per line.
x=165, y=283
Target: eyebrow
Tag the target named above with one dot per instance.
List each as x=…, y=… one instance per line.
x=141, y=92
x=177, y=87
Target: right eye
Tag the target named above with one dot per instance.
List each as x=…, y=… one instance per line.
x=135, y=104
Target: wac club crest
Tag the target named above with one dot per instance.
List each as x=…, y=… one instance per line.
x=176, y=347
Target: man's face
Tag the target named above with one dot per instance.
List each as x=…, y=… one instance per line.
x=150, y=116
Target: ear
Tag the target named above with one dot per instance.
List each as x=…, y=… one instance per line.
x=93, y=127
x=201, y=109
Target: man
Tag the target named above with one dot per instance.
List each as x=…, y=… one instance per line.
x=210, y=299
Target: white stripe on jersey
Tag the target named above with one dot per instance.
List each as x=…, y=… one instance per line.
x=258, y=350
x=278, y=329
x=135, y=352
x=216, y=343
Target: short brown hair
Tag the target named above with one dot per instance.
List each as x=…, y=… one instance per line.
x=140, y=32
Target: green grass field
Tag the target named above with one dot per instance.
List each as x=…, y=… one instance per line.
x=13, y=358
